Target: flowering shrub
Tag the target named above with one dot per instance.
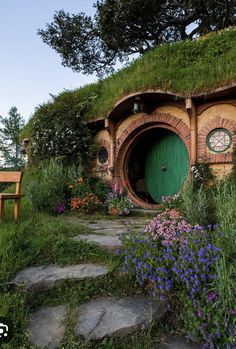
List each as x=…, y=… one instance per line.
x=79, y=188
x=196, y=258
x=167, y=226
x=119, y=199
x=201, y=173
x=187, y=267
x=83, y=199
x=170, y=201
x=88, y=204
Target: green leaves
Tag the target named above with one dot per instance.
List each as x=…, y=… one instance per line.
x=59, y=129
x=123, y=28
x=10, y=145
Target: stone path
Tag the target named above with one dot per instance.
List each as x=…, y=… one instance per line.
x=106, y=241
x=112, y=227
x=114, y=316
x=107, y=233
x=46, y=327
x=106, y=316
x=48, y=277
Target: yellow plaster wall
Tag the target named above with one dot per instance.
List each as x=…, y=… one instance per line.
x=102, y=136
x=221, y=170
x=227, y=111
x=126, y=123
x=175, y=111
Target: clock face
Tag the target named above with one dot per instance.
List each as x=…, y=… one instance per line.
x=219, y=140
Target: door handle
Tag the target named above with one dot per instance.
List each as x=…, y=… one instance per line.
x=163, y=167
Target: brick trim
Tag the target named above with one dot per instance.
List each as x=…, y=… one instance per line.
x=164, y=118
x=137, y=127
x=203, y=151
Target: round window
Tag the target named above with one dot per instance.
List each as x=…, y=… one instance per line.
x=102, y=155
x=219, y=140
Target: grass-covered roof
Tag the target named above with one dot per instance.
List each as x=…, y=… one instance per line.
x=186, y=68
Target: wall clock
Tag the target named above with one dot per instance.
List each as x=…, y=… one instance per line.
x=219, y=140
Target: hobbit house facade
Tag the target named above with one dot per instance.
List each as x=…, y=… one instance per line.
x=150, y=141
x=154, y=120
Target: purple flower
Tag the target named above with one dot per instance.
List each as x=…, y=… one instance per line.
x=232, y=312
x=199, y=313
x=212, y=296
x=59, y=208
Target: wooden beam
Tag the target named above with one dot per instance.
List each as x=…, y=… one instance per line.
x=191, y=110
x=110, y=126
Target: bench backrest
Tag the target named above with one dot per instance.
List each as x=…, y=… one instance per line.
x=11, y=177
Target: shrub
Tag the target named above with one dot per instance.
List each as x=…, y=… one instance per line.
x=188, y=268
x=86, y=194
x=118, y=199
x=171, y=201
x=79, y=188
x=99, y=187
x=46, y=186
x=201, y=174
x=88, y=204
x=168, y=226
x=59, y=129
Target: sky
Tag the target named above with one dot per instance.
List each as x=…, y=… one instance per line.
x=29, y=69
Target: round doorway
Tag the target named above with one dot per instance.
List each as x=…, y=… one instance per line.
x=157, y=165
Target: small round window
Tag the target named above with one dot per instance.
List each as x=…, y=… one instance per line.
x=102, y=155
x=219, y=140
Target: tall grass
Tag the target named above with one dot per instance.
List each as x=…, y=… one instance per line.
x=224, y=197
x=194, y=204
x=46, y=185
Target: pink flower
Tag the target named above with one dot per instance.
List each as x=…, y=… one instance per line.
x=169, y=226
x=116, y=186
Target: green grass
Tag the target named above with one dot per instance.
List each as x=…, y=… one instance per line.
x=41, y=239
x=181, y=68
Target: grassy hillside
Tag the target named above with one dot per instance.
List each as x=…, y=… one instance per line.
x=186, y=68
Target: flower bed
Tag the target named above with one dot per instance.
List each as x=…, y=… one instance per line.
x=177, y=260
x=118, y=200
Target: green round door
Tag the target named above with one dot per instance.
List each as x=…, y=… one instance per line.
x=166, y=165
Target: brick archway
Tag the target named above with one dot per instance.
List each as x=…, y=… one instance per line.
x=218, y=122
x=136, y=128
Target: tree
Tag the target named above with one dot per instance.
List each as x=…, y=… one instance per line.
x=122, y=28
x=10, y=145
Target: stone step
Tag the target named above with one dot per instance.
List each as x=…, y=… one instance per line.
x=104, y=241
x=46, y=327
x=47, y=277
x=107, y=316
x=111, y=231
x=117, y=316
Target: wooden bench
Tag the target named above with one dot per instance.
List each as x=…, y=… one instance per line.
x=11, y=177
